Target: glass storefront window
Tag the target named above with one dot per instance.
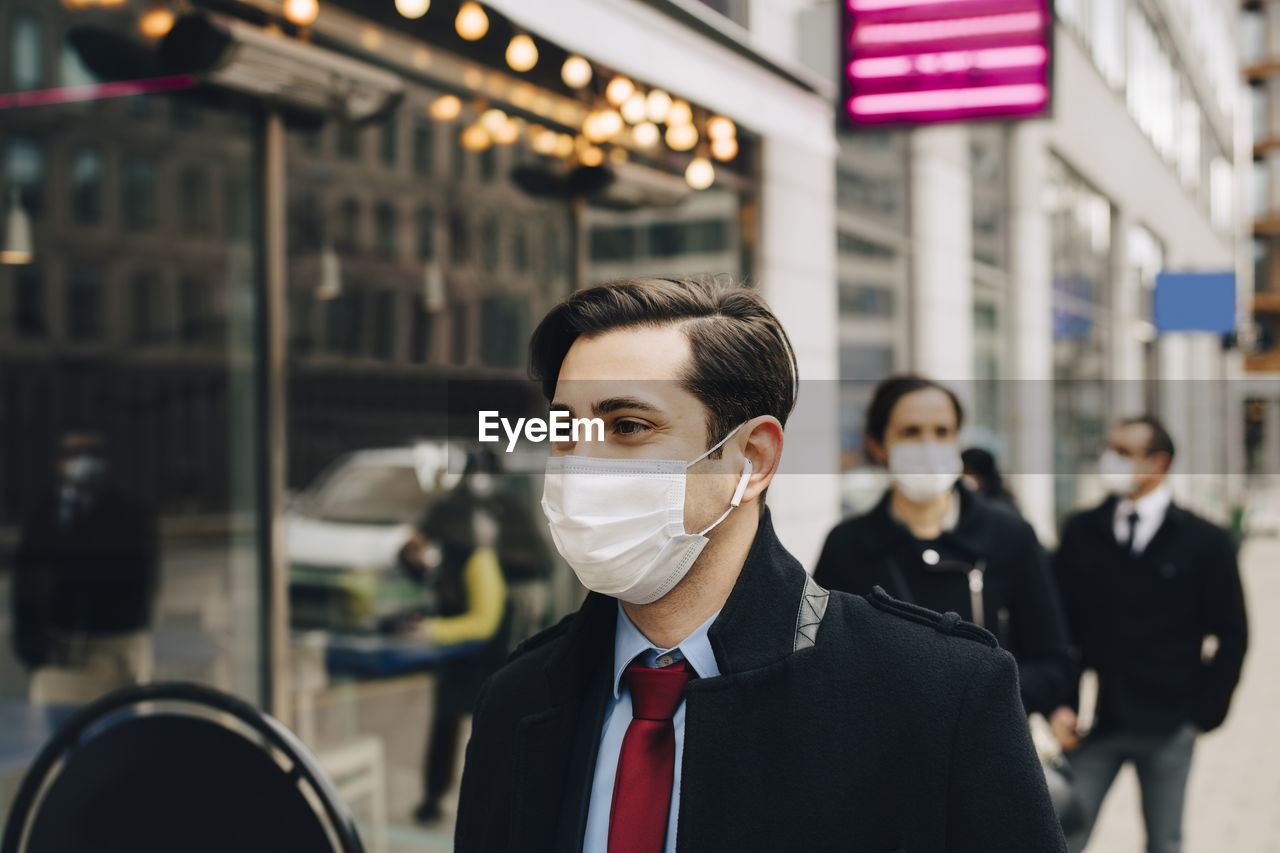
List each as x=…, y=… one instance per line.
x=129, y=528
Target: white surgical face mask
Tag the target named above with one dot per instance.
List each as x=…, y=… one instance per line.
x=619, y=523
x=924, y=470
x=1118, y=474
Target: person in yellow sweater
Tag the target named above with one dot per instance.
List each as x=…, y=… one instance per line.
x=473, y=608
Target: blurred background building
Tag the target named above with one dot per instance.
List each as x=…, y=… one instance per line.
x=262, y=282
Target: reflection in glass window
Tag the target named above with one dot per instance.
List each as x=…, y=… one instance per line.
x=613, y=243
x=24, y=169
x=84, y=304
x=426, y=233
x=30, y=318
x=86, y=186
x=385, y=224
x=195, y=206
x=26, y=53
x=138, y=193
x=147, y=297
x=424, y=145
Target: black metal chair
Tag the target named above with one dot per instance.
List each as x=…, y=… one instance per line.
x=176, y=767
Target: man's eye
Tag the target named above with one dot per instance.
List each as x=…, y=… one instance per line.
x=630, y=427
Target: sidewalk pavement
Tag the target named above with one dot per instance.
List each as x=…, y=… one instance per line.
x=1233, y=805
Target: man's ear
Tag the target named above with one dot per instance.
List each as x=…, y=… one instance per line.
x=1163, y=462
x=763, y=446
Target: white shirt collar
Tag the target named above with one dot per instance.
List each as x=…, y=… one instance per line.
x=1149, y=507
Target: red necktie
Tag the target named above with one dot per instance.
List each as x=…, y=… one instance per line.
x=647, y=763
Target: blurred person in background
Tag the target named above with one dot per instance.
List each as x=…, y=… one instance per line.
x=85, y=581
x=932, y=543
x=1145, y=584
x=456, y=551
x=708, y=695
x=982, y=475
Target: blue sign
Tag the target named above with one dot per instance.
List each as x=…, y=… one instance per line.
x=1196, y=302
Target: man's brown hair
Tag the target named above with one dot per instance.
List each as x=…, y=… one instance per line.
x=743, y=365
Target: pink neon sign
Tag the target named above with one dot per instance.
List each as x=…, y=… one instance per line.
x=927, y=61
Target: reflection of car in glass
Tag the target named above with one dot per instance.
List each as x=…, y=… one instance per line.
x=345, y=532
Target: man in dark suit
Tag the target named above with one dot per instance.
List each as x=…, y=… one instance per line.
x=1146, y=584
x=708, y=695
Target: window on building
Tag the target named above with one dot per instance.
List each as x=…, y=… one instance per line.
x=185, y=114
x=344, y=323
x=520, y=248
x=489, y=164
x=876, y=193
x=865, y=300
x=306, y=223
x=389, y=149
x=426, y=233
x=386, y=222
x=423, y=326
x=30, y=316
x=26, y=52
x=503, y=330
x=71, y=68
x=859, y=361
x=348, y=144
x=195, y=207
x=86, y=186
x=201, y=320
x=490, y=246
x=237, y=208
x=1259, y=102
x=384, y=325
x=848, y=243
x=1261, y=275
x=138, y=194
x=84, y=304
x=147, y=296
x=613, y=243
x=460, y=155
x=424, y=146
x=667, y=239
x=459, y=239
x=24, y=170
x=348, y=239
x=459, y=336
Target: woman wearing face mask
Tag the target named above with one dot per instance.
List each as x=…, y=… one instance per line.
x=938, y=545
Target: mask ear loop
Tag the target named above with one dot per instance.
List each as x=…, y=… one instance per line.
x=737, y=495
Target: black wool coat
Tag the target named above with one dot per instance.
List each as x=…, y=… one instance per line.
x=1020, y=603
x=1141, y=622
x=838, y=723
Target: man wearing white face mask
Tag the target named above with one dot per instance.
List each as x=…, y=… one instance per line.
x=701, y=697
x=1145, y=583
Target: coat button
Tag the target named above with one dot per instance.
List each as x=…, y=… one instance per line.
x=931, y=557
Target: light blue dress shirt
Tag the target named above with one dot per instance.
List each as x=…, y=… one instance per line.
x=629, y=644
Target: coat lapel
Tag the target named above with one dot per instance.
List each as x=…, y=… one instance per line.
x=556, y=745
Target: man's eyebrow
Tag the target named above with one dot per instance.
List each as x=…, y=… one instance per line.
x=613, y=404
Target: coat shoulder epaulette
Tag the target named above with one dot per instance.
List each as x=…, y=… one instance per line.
x=943, y=623
x=542, y=637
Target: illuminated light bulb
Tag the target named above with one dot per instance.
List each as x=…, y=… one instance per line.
x=646, y=135
x=658, y=104
x=476, y=138
x=634, y=110
x=576, y=72
x=472, y=23
x=370, y=38
x=591, y=127
x=609, y=123
x=618, y=90
x=700, y=174
x=156, y=23
x=724, y=149
x=421, y=58
x=412, y=9
x=506, y=133
x=446, y=108
x=301, y=13
x=680, y=113
x=491, y=120
x=682, y=137
x=564, y=145
x=546, y=142
x=591, y=156
x=719, y=127
x=522, y=53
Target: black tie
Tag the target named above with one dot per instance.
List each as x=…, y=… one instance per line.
x=1133, y=530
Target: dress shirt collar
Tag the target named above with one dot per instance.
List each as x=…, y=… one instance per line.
x=629, y=643
x=1150, y=507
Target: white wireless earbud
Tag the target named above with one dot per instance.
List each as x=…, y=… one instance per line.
x=742, y=483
